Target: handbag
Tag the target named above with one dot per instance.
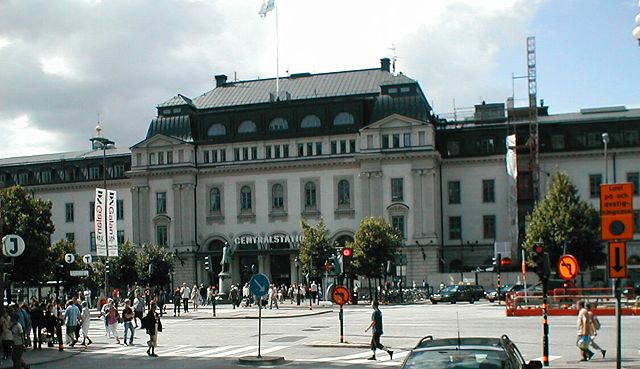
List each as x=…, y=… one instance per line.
x=583, y=342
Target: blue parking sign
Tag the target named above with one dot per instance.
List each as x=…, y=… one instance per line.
x=259, y=285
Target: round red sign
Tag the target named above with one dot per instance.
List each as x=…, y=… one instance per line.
x=341, y=295
x=568, y=267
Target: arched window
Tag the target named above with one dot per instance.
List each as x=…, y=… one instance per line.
x=245, y=198
x=278, y=124
x=214, y=200
x=217, y=129
x=344, y=198
x=343, y=119
x=248, y=126
x=277, y=196
x=310, y=195
x=310, y=121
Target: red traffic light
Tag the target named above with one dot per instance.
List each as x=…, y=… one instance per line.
x=346, y=252
x=506, y=261
x=537, y=248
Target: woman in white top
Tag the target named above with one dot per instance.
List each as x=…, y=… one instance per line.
x=195, y=297
x=86, y=322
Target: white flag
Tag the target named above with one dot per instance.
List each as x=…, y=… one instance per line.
x=511, y=159
x=112, y=226
x=267, y=6
x=98, y=220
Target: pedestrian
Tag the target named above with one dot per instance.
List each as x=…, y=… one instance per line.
x=104, y=312
x=127, y=317
x=177, y=295
x=87, y=297
x=85, y=318
x=153, y=326
x=583, y=324
x=7, y=337
x=113, y=318
x=138, y=306
x=162, y=298
x=314, y=291
x=37, y=322
x=273, y=297
x=18, y=344
x=595, y=327
x=233, y=294
x=195, y=297
x=186, y=293
x=71, y=317
x=376, y=331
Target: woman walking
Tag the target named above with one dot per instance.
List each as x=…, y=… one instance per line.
x=112, y=319
x=85, y=317
x=18, y=344
x=195, y=297
x=153, y=325
x=7, y=338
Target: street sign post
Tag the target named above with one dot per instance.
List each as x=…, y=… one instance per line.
x=341, y=296
x=69, y=258
x=618, y=260
x=12, y=245
x=568, y=267
x=79, y=273
x=88, y=259
x=259, y=286
x=616, y=211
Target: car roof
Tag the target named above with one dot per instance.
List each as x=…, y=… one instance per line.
x=429, y=342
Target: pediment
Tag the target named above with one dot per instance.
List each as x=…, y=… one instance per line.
x=158, y=140
x=394, y=121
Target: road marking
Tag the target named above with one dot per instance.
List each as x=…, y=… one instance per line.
x=212, y=351
x=551, y=358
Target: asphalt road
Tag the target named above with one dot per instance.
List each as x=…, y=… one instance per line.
x=195, y=340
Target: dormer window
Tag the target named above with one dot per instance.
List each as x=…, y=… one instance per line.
x=217, y=129
x=247, y=126
x=278, y=124
x=343, y=119
x=310, y=121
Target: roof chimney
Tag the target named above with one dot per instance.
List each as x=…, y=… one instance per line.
x=221, y=80
x=385, y=64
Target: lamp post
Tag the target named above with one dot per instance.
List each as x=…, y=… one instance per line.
x=605, y=141
x=103, y=143
x=636, y=31
x=297, y=291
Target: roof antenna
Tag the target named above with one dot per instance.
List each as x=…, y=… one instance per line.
x=394, y=58
x=458, y=323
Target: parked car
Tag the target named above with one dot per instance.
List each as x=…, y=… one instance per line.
x=478, y=291
x=453, y=294
x=507, y=288
x=467, y=353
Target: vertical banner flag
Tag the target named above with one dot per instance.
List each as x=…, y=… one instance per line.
x=512, y=161
x=112, y=226
x=98, y=211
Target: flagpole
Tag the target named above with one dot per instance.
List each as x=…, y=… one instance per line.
x=277, y=57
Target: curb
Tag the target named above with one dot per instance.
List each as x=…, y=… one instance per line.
x=262, y=360
x=297, y=315
x=338, y=344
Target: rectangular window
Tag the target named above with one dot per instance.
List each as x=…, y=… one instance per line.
x=557, y=142
x=254, y=152
x=334, y=147
x=285, y=151
x=180, y=156
x=161, y=158
x=152, y=159
x=453, y=189
x=453, y=148
x=488, y=190
x=118, y=171
x=120, y=209
x=455, y=228
x=631, y=138
x=397, y=189
x=489, y=226
x=139, y=159
x=267, y=152
x=169, y=157
x=318, y=148
x=120, y=236
x=343, y=146
x=207, y=156
x=422, y=138
x=236, y=154
x=300, y=149
x=45, y=176
x=407, y=140
x=162, y=235
x=71, y=237
x=68, y=212
x=369, y=142
x=594, y=139
x=245, y=153
x=223, y=155
x=352, y=146
x=595, y=180
x=397, y=222
x=214, y=156
x=309, y=148
x=276, y=150
x=396, y=140
x=23, y=178
x=161, y=202
x=487, y=145
x=634, y=177
x=94, y=173
x=385, y=141
x=92, y=241
x=92, y=211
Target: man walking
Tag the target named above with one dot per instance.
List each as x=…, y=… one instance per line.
x=138, y=309
x=71, y=315
x=186, y=293
x=376, y=332
x=584, y=335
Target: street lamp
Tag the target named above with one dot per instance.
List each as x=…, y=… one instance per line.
x=104, y=143
x=636, y=31
x=297, y=292
x=605, y=141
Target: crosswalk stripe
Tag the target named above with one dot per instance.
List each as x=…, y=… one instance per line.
x=272, y=349
x=212, y=351
x=234, y=352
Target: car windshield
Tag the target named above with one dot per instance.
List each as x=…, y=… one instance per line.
x=449, y=289
x=451, y=358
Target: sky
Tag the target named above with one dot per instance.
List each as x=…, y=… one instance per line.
x=67, y=64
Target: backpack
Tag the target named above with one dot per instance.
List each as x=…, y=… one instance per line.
x=596, y=323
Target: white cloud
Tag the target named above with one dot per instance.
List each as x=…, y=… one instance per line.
x=4, y=41
x=55, y=65
x=21, y=138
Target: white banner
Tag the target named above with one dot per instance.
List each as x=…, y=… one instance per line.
x=512, y=160
x=112, y=226
x=98, y=221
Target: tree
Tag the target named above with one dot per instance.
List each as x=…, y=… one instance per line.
x=125, y=270
x=563, y=222
x=315, y=248
x=154, y=265
x=374, y=244
x=30, y=218
x=60, y=269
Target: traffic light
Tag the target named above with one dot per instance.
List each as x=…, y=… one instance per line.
x=207, y=263
x=107, y=267
x=334, y=265
x=347, y=254
x=497, y=263
x=541, y=260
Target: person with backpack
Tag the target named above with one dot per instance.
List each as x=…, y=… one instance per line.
x=595, y=327
x=152, y=324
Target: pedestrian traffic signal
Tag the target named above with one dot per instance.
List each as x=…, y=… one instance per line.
x=347, y=254
x=541, y=260
x=497, y=263
x=207, y=263
x=107, y=267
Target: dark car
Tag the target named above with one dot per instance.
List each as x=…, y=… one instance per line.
x=467, y=353
x=507, y=288
x=453, y=294
x=478, y=291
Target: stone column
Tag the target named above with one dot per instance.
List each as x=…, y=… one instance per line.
x=140, y=212
x=419, y=210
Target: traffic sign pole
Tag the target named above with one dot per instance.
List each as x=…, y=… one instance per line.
x=341, y=325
